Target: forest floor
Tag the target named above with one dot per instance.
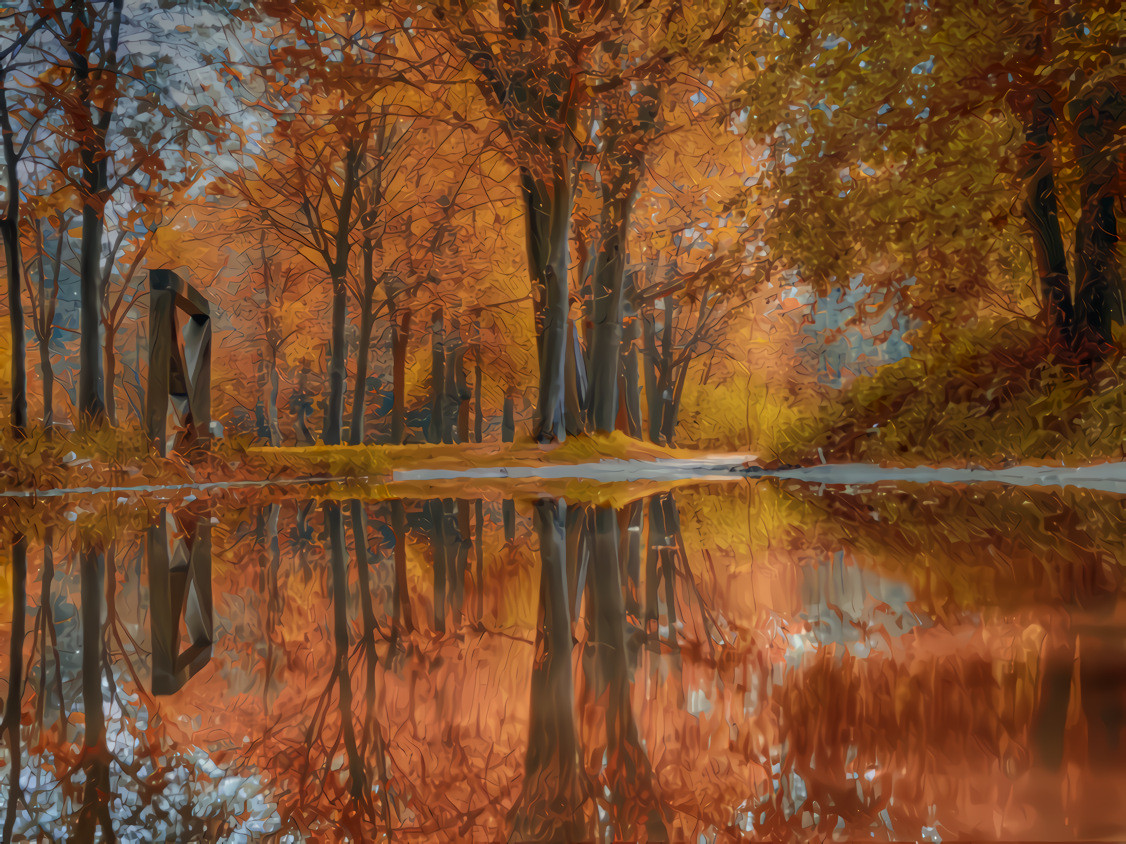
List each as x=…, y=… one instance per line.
x=121, y=461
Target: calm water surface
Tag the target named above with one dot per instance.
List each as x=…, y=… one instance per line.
x=758, y=660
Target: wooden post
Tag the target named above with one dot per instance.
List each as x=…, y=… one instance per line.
x=179, y=363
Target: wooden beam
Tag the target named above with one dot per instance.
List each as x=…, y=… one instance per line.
x=188, y=299
x=179, y=363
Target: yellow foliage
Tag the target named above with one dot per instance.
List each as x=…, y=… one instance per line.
x=991, y=393
x=746, y=413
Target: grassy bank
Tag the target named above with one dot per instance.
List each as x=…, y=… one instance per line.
x=122, y=458
x=992, y=396
x=380, y=460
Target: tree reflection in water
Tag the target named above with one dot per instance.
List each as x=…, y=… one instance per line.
x=775, y=662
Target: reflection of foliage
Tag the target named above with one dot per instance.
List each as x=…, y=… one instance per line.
x=780, y=665
x=153, y=784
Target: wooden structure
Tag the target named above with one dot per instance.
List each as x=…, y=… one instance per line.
x=179, y=364
x=179, y=568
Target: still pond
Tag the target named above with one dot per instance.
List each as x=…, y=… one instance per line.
x=759, y=659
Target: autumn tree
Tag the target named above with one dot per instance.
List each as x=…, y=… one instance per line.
x=16, y=134
x=49, y=223
x=528, y=66
x=933, y=149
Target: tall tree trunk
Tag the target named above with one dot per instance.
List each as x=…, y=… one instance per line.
x=91, y=386
x=111, y=375
x=548, y=214
x=400, y=337
x=274, y=383
x=357, y=424
x=336, y=259
x=1098, y=293
x=91, y=125
x=478, y=416
x=456, y=389
x=334, y=412
x=1040, y=209
x=672, y=407
x=606, y=332
x=652, y=364
x=628, y=380
x=367, y=320
x=303, y=405
x=261, y=428
x=437, y=376
x=575, y=380
x=664, y=391
x=47, y=373
x=10, y=231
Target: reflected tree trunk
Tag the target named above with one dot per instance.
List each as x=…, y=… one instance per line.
x=95, y=754
x=661, y=567
x=508, y=516
x=373, y=734
x=464, y=542
x=656, y=541
x=550, y=805
x=272, y=608
x=578, y=555
x=434, y=508
x=479, y=557
x=48, y=649
x=13, y=705
x=334, y=524
x=634, y=805
x=633, y=517
x=400, y=595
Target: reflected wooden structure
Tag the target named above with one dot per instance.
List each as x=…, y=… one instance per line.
x=179, y=364
x=179, y=570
